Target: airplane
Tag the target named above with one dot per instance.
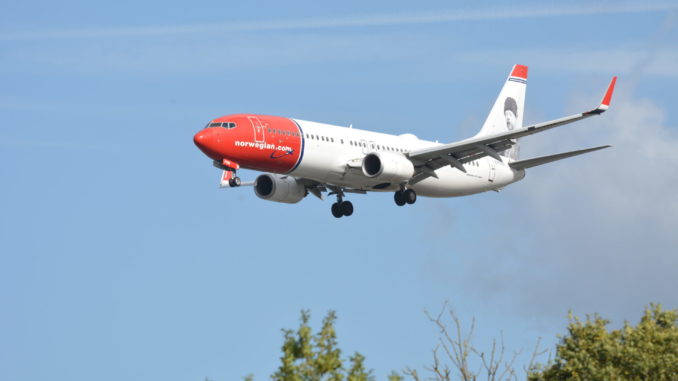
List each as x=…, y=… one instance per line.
x=299, y=157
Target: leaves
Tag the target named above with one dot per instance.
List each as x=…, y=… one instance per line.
x=648, y=351
x=317, y=357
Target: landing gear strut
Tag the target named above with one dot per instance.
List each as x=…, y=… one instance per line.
x=405, y=196
x=342, y=208
x=229, y=169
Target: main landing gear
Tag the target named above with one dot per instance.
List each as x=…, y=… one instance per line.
x=342, y=208
x=405, y=196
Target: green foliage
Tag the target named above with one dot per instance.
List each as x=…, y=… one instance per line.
x=648, y=351
x=357, y=372
x=317, y=357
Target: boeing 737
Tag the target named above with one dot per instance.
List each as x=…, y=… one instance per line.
x=301, y=157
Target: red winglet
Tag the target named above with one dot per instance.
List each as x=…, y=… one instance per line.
x=608, y=94
x=519, y=71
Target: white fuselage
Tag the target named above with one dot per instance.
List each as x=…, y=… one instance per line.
x=328, y=149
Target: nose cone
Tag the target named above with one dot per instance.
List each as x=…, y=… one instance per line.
x=209, y=141
x=199, y=139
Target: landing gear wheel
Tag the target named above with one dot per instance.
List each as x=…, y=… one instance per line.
x=346, y=208
x=234, y=182
x=336, y=210
x=399, y=198
x=410, y=196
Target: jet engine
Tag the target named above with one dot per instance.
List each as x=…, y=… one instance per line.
x=279, y=188
x=387, y=167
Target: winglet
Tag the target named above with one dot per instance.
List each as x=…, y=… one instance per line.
x=605, y=104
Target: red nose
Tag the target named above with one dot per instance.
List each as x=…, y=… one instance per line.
x=209, y=141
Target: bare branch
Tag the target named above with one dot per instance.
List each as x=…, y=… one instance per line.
x=457, y=346
x=535, y=354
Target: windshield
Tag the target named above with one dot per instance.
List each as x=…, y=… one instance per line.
x=221, y=124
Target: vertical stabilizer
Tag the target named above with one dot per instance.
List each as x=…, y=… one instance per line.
x=509, y=108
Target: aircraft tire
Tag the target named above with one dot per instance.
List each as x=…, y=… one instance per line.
x=410, y=196
x=234, y=182
x=346, y=208
x=399, y=198
x=337, y=210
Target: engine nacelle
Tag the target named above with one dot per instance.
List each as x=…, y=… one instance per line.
x=387, y=167
x=279, y=188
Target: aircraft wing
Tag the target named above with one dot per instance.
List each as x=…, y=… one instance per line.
x=456, y=154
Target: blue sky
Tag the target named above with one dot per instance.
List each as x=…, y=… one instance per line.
x=120, y=258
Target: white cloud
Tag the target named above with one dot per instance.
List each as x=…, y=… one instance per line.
x=620, y=60
x=594, y=233
x=395, y=19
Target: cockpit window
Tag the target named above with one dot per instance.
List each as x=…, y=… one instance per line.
x=222, y=125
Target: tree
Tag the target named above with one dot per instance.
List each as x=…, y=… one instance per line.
x=455, y=352
x=317, y=357
x=648, y=351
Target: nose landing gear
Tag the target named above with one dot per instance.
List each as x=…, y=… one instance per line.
x=228, y=177
x=405, y=196
x=234, y=181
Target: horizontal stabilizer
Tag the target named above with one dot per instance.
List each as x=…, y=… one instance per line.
x=529, y=163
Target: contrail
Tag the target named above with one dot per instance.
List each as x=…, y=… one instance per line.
x=338, y=22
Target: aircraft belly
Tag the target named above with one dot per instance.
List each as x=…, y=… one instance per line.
x=452, y=182
x=326, y=165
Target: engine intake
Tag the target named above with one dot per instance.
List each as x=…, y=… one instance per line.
x=387, y=167
x=279, y=188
